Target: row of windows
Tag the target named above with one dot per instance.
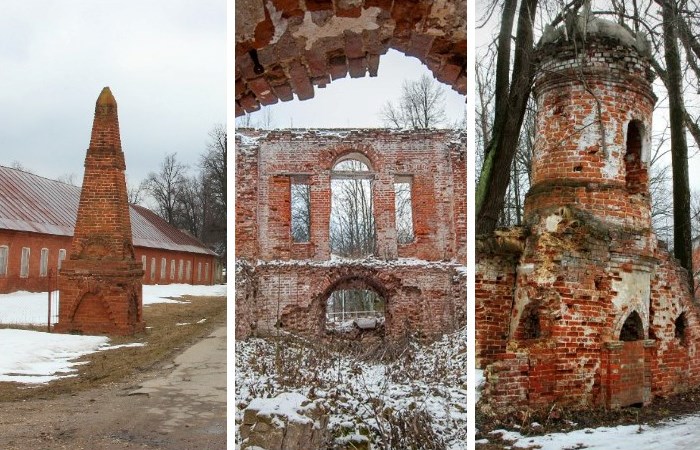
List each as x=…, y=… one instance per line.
x=24, y=262
x=183, y=267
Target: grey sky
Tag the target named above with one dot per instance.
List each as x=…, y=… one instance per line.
x=356, y=102
x=165, y=62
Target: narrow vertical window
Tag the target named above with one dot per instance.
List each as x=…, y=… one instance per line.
x=44, y=262
x=153, y=268
x=163, y=268
x=172, y=269
x=199, y=271
x=404, y=210
x=301, y=209
x=636, y=178
x=206, y=273
x=143, y=263
x=61, y=257
x=4, y=252
x=180, y=268
x=188, y=272
x=24, y=264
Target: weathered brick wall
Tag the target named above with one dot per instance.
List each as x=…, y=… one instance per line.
x=422, y=282
x=590, y=263
x=423, y=298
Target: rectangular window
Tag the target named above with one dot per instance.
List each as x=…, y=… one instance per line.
x=199, y=271
x=44, y=262
x=180, y=268
x=301, y=209
x=404, y=210
x=188, y=272
x=24, y=264
x=4, y=252
x=206, y=273
x=163, y=268
x=61, y=257
x=143, y=263
x=172, y=269
x=153, y=268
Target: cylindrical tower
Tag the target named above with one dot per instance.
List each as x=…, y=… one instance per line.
x=594, y=109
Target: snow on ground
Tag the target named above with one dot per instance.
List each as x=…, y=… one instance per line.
x=360, y=395
x=677, y=434
x=36, y=357
x=31, y=308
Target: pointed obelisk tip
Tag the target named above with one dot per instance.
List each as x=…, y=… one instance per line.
x=106, y=98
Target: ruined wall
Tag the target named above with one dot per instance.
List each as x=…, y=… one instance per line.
x=422, y=282
x=601, y=314
x=288, y=47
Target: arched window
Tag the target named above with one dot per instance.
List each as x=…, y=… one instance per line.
x=633, y=328
x=636, y=177
x=680, y=326
x=352, y=229
x=354, y=304
x=530, y=322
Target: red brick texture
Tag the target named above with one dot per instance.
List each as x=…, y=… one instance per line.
x=100, y=282
x=556, y=299
x=288, y=47
x=422, y=282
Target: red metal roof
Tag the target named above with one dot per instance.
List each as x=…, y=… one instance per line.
x=32, y=203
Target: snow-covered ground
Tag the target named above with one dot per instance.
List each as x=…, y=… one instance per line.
x=362, y=395
x=36, y=357
x=682, y=433
x=31, y=308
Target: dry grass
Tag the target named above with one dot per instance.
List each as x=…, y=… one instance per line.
x=163, y=338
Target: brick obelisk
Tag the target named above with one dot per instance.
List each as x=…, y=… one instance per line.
x=100, y=282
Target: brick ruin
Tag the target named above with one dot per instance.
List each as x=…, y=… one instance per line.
x=287, y=47
x=281, y=282
x=100, y=281
x=583, y=306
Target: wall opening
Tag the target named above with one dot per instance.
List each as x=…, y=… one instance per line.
x=4, y=251
x=680, y=326
x=351, y=309
x=632, y=329
x=352, y=229
x=44, y=262
x=301, y=209
x=635, y=172
x=530, y=327
x=404, y=210
x=24, y=264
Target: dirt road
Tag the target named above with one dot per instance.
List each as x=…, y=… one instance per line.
x=180, y=406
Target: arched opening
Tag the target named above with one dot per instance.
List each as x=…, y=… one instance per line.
x=632, y=329
x=680, y=326
x=635, y=172
x=530, y=327
x=354, y=305
x=352, y=229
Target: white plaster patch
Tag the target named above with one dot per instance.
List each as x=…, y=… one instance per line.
x=336, y=26
x=633, y=291
x=552, y=222
x=277, y=20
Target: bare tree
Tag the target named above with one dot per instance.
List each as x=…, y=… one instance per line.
x=214, y=182
x=17, y=165
x=136, y=194
x=421, y=106
x=165, y=185
x=352, y=232
x=68, y=178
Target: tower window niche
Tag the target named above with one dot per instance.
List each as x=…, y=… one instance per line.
x=635, y=173
x=680, y=327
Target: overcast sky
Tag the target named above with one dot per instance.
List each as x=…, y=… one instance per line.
x=165, y=62
x=356, y=102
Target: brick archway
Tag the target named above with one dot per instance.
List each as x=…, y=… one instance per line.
x=287, y=47
x=349, y=282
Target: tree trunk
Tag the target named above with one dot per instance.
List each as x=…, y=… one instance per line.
x=510, y=111
x=682, y=238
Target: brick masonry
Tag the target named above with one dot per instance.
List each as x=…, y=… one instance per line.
x=280, y=282
x=583, y=306
x=100, y=282
x=287, y=47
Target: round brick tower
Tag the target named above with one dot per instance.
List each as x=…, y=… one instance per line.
x=594, y=103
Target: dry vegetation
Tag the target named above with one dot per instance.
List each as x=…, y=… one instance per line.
x=163, y=339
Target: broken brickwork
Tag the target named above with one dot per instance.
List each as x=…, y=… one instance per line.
x=285, y=283
x=287, y=47
x=583, y=306
x=100, y=281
